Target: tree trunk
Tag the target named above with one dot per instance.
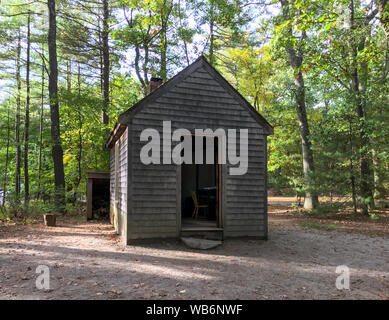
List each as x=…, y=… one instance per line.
x=358, y=86
x=184, y=41
x=383, y=11
x=5, y=185
x=145, y=66
x=106, y=66
x=17, y=123
x=137, y=68
x=165, y=13
x=79, y=156
x=163, y=70
x=378, y=192
x=69, y=74
x=295, y=59
x=352, y=176
x=365, y=189
x=211, y=36
x=27, y=118
x=311, y=198
x=41, y=130
x=57, y=152
x=101, y=59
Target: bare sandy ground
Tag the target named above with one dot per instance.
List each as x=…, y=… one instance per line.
x=87, y=261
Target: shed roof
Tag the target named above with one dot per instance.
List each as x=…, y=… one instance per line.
x=124, y=118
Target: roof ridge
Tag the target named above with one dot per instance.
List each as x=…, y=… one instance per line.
x=201, y=61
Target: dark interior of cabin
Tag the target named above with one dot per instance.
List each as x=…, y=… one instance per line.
x=199, y=184
x=100, y=199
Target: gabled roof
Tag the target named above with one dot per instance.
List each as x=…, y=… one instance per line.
x=125, y=117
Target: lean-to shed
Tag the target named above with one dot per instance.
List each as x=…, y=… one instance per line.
x=165, y=199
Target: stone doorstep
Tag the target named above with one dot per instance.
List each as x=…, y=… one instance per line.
x=199, y=243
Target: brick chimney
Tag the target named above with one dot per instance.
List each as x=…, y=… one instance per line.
x=154, y=84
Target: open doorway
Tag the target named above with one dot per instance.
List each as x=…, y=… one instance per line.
x=200, y=189
x=98, y=188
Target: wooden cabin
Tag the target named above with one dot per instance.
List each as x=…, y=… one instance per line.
x=169, y=200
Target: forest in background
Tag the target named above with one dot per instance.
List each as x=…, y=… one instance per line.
x=316, y=70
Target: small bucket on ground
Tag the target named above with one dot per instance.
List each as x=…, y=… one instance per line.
x=50, y=219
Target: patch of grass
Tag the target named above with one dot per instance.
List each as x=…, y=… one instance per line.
x=38, y=208
x=4, y=218
x=28, y=220
x=374, y=216
x=78, y=218
x=18, y=213
x=318, y=226
x=75, y=209
x=329, y=209
x=295, y=206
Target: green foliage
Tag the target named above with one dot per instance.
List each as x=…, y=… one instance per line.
x=318, y=226
x=318, y=30
x=374, y=216
x=329, y=208
x=151, y=38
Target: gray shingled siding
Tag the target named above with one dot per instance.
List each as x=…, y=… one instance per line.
x=197, y=102
x=123, y=183
x=112, y=182
x=118, y=205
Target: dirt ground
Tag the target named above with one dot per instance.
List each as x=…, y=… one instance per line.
x=87, y=261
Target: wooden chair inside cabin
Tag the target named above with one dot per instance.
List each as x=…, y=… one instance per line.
x=197, y=206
